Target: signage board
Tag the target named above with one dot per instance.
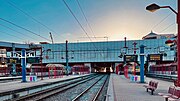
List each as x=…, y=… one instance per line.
x=155, y=57
x=33, y=59
x=130, y=58
x=13, y=60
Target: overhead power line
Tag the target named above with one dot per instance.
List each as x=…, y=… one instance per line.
x=76, y=19
x=78, y=22
x=17, y=31
x=24, y=28
x=167, y=27
x=161, y=21
x=13, y=5
x=12, y=35
x=86, y=18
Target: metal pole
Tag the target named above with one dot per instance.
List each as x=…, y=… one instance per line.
x=23, y=63
x=41, y=63
x=125, y=48
x=178, y=43
x=142, y=64
x=134, y=54
x=125, y=68
x=67, y=56
x=13, y=64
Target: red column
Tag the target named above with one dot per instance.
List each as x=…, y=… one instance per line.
x=41, y=63
x=178, y=42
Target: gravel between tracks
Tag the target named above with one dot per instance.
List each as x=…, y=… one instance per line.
x=71, y=93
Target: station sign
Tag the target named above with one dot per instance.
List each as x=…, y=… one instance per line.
x=28, y=60
x=155, y=57
x=13, y=60
x=130, y=58
x=33, y=59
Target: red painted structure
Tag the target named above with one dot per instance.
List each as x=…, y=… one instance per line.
x=55, y=70
x=169, y=69
x=80, y=69
x=178, y=42
x=119, y=69
x=4, y=71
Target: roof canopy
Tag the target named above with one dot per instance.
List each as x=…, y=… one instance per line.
x=54, y=65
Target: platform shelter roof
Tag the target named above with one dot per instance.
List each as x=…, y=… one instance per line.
x=77, y=66
x=55, y=65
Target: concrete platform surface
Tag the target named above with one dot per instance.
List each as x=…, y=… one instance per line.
x=122, y=89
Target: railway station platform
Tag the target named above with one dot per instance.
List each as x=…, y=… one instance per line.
x=122, y=89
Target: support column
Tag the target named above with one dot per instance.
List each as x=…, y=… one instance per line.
x=142, y=64
x=67, y=56
x=178, y=43
x=23, y=63
x=13, y=55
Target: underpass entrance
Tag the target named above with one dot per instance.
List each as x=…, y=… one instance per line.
x=103, y=67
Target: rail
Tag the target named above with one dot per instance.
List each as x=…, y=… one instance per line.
x=88, y=89
x=39, y=96
x=30, y=90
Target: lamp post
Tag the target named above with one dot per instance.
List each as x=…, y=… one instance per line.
x=154, y=7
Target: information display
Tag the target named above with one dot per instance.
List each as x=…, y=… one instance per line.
x=13, y=60
x=33, y=60
x=155, y=57
x=130, y=58
x=28, y=60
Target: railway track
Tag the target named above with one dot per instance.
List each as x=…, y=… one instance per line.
x=75, y=90
x=41, y=95
x=93, y=91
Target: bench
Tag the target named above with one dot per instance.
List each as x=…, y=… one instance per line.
x=175, y=96
x=168, y=94
x=151, y=86
x=172, y=95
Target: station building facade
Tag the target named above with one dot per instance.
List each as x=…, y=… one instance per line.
x=107, y=52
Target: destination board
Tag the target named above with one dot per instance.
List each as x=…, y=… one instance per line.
x=155, y=57
x=33, y=60
x=130, y=58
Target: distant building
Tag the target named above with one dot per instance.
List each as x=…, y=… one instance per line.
x=153, y=35
x=43, y=43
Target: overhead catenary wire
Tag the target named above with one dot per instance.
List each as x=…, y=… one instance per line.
x=155, y=26
x=79, y=5
x=78, y=22
x=76, y=19
x=12, y=35
x=23, y=28
x=167, y=27
x=17, y=31
x=34, y=19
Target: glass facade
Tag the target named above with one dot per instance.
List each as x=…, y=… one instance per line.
x=107, y=51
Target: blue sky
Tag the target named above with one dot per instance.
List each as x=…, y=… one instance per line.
x=115, y=19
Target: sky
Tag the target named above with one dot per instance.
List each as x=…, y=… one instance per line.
x=31, y=21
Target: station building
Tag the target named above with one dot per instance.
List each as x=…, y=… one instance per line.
x=100, y=55
x=108, y=54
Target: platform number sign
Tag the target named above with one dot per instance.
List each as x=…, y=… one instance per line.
x=130, y=58
x=155, y=57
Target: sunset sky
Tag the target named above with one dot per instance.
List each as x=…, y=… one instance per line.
x=115, y=19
